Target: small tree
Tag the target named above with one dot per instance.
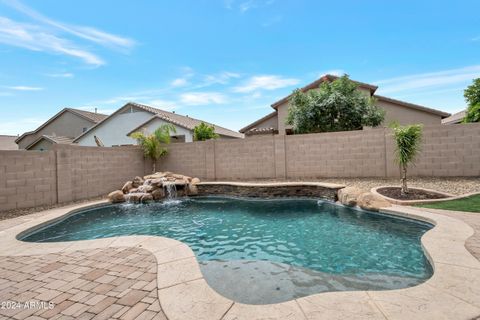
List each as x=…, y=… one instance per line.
x=204, y=132
x=472, y=114
x=407, y=139
x=335, y=106
x=153, y=144
x=472, y=96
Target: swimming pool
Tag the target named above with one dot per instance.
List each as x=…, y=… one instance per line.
x=268, y=250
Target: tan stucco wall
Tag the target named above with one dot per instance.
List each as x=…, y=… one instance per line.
x=67, y=125
x=404, y=115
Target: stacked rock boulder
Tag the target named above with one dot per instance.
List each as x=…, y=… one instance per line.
x=352, y=196
x=152, y=187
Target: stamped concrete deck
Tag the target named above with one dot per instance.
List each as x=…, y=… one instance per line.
x=452, y=293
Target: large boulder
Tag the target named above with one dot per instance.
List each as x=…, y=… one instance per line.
x=146, y=197
x=349, y=196
x=145, y=188
x=137, y=182
x=372, y=202
x=155, y=175
x=138, y=197
x=192, y=189
x=158, y=194
x=116, y=196
x=157, y=183
x=127, y=187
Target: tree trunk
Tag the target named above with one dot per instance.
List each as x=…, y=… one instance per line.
x=404, y=181
x=154, y=168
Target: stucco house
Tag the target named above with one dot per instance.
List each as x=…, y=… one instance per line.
x=395, y=110
x=116, y=129
x=62, y=128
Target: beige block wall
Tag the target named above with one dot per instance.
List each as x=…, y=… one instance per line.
x=30, y=178
x=27, y=179
x=446, y=151
x=92, y=171
x=340, y=154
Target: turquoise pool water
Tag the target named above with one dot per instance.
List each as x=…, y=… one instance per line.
x=266, y=251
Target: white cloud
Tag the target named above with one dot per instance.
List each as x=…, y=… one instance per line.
x=474, y=39
x=429, y=80
x=218, y=78
x=244, y=6
x=20, y=126
x=179, y=82
x=202, y=98
x=60, y=75
x=34, y=38
x=24, y=88
x=265, y=82
x=84, y=32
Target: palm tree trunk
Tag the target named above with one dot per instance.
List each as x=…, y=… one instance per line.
x=154, y=164
x=404, y=180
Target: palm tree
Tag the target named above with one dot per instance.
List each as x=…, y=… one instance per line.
x=153, y=144
x=407, y=139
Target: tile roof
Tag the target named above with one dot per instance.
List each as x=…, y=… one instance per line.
x=95, y=117
x=52, y=139
x=181, y=120
x=259, y=131
x=59, y=139
x=454, y=118
x=251, y=125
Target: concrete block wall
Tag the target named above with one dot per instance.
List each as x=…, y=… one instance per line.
x=446, y=151
x=339, y=154
x=97, y=171
x=67, y=173
x=27, y=179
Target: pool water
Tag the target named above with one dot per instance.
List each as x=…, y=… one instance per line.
x=265, y=251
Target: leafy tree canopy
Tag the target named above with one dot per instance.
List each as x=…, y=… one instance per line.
x=472, y=96
x=335, y=106
x=204, y=132
x=472, y=93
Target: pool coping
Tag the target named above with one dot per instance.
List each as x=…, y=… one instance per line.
x=453, y=292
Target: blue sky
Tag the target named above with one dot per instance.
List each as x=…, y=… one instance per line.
x=226, y=61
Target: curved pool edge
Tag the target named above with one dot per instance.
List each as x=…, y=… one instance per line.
x=452, y=292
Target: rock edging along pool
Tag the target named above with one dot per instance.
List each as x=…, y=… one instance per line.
x=267, y=251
